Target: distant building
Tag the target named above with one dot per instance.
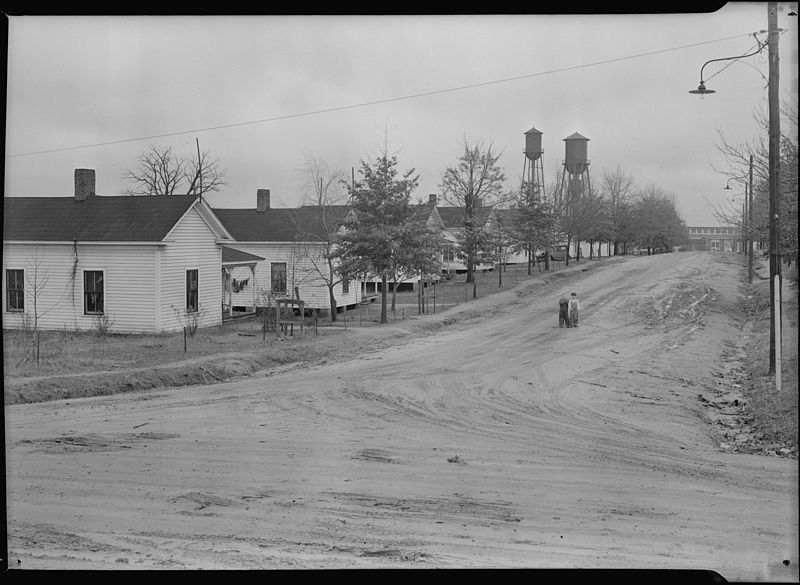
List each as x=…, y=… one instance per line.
x=715, y=238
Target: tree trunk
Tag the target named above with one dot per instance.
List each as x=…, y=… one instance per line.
x=383, y=298
x=530, y=258
x=591, y=249
x=332, y=298
x=499, y=273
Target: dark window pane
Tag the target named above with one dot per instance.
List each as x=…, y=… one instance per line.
x=93, y=292
x=192, y=280
x=15, y=290
x=278, y=272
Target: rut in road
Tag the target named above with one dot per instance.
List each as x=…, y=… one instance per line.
x=498, y=440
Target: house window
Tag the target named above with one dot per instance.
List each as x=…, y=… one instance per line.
x=278, y=274
x=93, y=292
x=15, y=290
x=345, y=284
x=191, y=291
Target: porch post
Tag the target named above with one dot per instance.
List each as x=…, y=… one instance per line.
x=230, y=291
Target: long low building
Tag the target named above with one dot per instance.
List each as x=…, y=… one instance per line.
x=720, y=238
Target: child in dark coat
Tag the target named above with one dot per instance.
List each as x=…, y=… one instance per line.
x=563, y=312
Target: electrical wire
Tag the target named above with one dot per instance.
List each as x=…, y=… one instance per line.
x=375, y=102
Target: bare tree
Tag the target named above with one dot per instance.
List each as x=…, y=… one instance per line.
x=322, y=192
x=36, y=277
x=476, y=181
x=204, y=174
x=656, y=220
x=738, y=158
x=531, y=226
x=161, y=172
x=617, y=188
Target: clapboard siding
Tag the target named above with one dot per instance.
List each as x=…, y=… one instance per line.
x=128, y=286
x=300, y=273
x=190, y=245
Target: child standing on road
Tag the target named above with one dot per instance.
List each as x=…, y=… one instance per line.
x=563, y=311
x=574, y=309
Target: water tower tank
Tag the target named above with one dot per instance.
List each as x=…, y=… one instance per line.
x=533, y=144
x=576, y=159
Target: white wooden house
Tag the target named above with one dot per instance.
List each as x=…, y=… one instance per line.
x=142, y=264
x=290, y=243
x=452, y=221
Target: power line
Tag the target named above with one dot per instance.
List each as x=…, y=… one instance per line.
x=377, y=102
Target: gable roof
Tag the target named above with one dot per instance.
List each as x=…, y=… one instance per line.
x=121, y=218
x=281, y=224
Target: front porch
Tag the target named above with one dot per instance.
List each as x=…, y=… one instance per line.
x=236, y=303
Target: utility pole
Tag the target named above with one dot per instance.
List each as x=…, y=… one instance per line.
x=774, y=197
x=750, y=224
x=742, y=236
x=199, y=166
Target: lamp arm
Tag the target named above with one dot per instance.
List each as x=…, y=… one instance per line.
x=758, y=50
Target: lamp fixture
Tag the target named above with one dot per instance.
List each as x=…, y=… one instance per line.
x=702, y=90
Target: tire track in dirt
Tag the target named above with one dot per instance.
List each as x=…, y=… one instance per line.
x=497, y=442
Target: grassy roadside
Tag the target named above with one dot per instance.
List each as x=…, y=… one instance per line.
x=774, y=412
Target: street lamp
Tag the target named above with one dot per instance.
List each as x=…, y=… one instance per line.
x=744, y=229
x=702, y=90
x=774, y=200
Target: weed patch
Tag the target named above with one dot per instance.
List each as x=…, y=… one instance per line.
x=774, y=412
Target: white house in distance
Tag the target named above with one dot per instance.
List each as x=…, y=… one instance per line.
x=146, y=264
x=289, y=242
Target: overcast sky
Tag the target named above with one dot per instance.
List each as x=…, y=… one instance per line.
x=264, y=94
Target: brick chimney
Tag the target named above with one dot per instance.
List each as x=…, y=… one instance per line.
x=262, y=199
x=432, y=198
x=84, y=184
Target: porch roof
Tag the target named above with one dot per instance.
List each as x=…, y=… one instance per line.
x=234, y=257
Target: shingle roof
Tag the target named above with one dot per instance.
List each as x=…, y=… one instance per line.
x=97, y=219
x=453, y=217
x=281, y=224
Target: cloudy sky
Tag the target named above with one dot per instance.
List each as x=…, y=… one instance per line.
x=264, y=94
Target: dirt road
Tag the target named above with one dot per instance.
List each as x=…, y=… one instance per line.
x=497, y=441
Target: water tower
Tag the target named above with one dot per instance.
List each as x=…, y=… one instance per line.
x=532, y=172
x=575, y=178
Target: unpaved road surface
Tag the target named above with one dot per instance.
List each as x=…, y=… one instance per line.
x=498, y=440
